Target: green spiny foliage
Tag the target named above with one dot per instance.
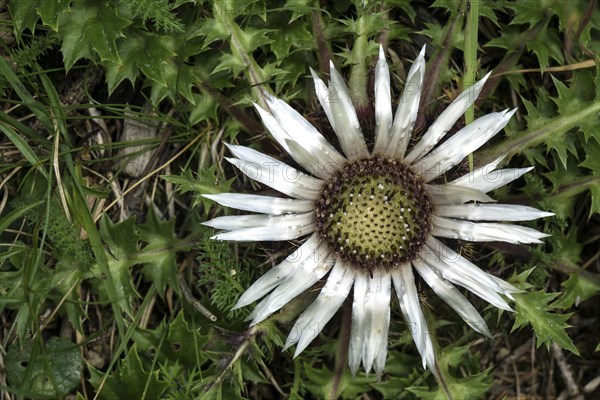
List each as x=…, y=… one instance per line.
x=64, y=236
x=533, y=307
x=132, y=381
x=207, y=181
x=468, y=387
x=115, y=285
x=29, y=54
x=222, y=273
x=158, y=13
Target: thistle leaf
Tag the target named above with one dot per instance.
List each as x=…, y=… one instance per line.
x=89, y=30
x=535, y=308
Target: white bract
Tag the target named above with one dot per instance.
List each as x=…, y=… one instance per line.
x=373, y=216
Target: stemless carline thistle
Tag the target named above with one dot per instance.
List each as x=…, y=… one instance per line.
x=371, y=217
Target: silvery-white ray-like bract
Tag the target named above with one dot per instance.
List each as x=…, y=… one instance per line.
x=373, y=218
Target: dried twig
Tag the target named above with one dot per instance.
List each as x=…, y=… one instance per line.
x=567, y=374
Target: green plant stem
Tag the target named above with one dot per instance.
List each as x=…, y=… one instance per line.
x=437, y=63
x=470, y=56
x=470, y=51
x=358, y=75
x=254, y=73
x=555, y=126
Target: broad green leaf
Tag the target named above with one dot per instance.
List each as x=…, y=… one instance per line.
x=24, y=14
x=121, y=238
x=51, y=372
x=50, y=10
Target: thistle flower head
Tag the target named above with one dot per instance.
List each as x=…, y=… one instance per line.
x=373, y=216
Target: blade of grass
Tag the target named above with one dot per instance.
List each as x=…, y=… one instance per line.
x=23, y=129
x=470, y=56
x=16, y=214
x=59, y=128
x=82, y=214
x=24, y=148
x=35, y=106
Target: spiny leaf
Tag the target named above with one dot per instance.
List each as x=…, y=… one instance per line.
x=158, y=256
x=533, y=307
x=142, y=51
x=213, y=30
x=546, y=45
x=179, y=79
x=554, y=131
x=562, y=173
x=120, y=245
x=130, y=381
x=471, y=387
x=88, y=29
x=297, y=35
x=576, y=290
x=468, y=387
x=592, y=162
x=320, y=381
x=173, y=342
x=205, y=107
x=206, y=182
x=159, y=12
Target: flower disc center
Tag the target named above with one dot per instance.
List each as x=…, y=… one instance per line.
x=374, y=213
